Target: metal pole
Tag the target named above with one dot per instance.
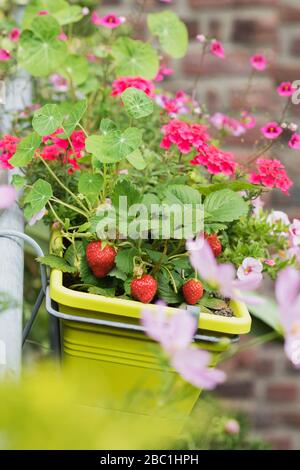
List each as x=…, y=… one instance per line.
x=17, y=96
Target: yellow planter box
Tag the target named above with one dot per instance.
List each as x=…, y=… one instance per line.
x=131, y=376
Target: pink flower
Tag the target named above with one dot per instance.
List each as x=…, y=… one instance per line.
x=258, y=62
x=220, y=276
x=51, y=152
x=270, y=262
x=251, y=268
x=294, y=232
x=272, y=174
x=258, y=205
x=293, y=252
x=175, y=334
x=59, y=83
x=43, y=13
x=232, y=427
x=201, y=38
x=8, y=147
x=227, y=124
x=4, y=55
x=78, y=142
x=185, y=136
x=162, y=73
x=110, y=20
x=217, y=49
x=193, y=366
x=36, y=217
x=286, y=89
x=8, y=196
x=122, y=83
x=272, y=130
x=14, y=34
x=278, y=217
x=174, y=106
x=55, y=139
x=248, y=121
x=288, y=297
x=294, y=142
x=62, y=36
x=215, y=160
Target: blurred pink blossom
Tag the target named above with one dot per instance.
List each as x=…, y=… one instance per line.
x=294, y=232
x=251, y=268
x=288, y=297
x=228, y=124
x=285, y=89
x=294, y=142
x=4, y=55
x=258, y=205
x=247, y=120
x=110, y=20
x=163, y=72
x=217, y=49
x=232, y=427
x=59, y=83
x=201, y=38
x=14, y=34
x=8, y=196
x=258, y=62
x=272, y=130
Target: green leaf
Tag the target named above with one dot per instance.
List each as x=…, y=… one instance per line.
x=124, y=260
x=136, y=159
x=60, y=9
x=233, y=185
x=135, y=58
x=213, y=303
x=268, y=313
x=25, y=150
x=40, y=52
x=107, y=125
x=224, y=206
x=171, y=32
x=56, y=262
x=125, y=187
x=90, y=184
x=75, y=69
x=47, y=119
x=166, y=292
x=179, y=193
x=115, y=272
x=72, y=114
x=156, y=256
x=38, y=196
x=18, y=181
x=107, y=292
x=114, y=146
x=137, y=104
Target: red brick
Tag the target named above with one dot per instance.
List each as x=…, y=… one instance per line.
x=282, y=72
x=291, y=419
x=253, y=31
x=289, y=14
x=232, y=3
x=262, y=98
x=264, y=366
x=262, y=420
x=242, y=389
x=295, y=46
x=280, y=442
x=237, y=62
x=282, y=392
x=193, y=27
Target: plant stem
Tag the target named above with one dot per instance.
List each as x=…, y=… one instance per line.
x=197, y=79
x=55, y=214
x=63, y=185
x=70, y=206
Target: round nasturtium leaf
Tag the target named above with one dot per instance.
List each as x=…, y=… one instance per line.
x=90, y=184
x=59, y=9
x=171, y=32
x=137, y=104
x=75, y=68
x=47, y=119
x=135, y=58
x=40, y=52
x=25, y=150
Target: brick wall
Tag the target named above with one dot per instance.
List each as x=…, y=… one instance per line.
x=260, y=381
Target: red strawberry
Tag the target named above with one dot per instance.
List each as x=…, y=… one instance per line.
x=214, y=243
x=100, y=261
x=144, y=288
x=192, y=291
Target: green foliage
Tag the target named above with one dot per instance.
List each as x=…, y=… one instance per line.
x=137, y=104
x=135, y=58
x=25, y=150
x=90, y=184
x=47, y=119
x=75, y=69
x=72, y=114
x=115, y=145
x=60, y=9
x=37, y=197
x=55, y=262
x=171, y=32
x=40, y=52
x=224, y=206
